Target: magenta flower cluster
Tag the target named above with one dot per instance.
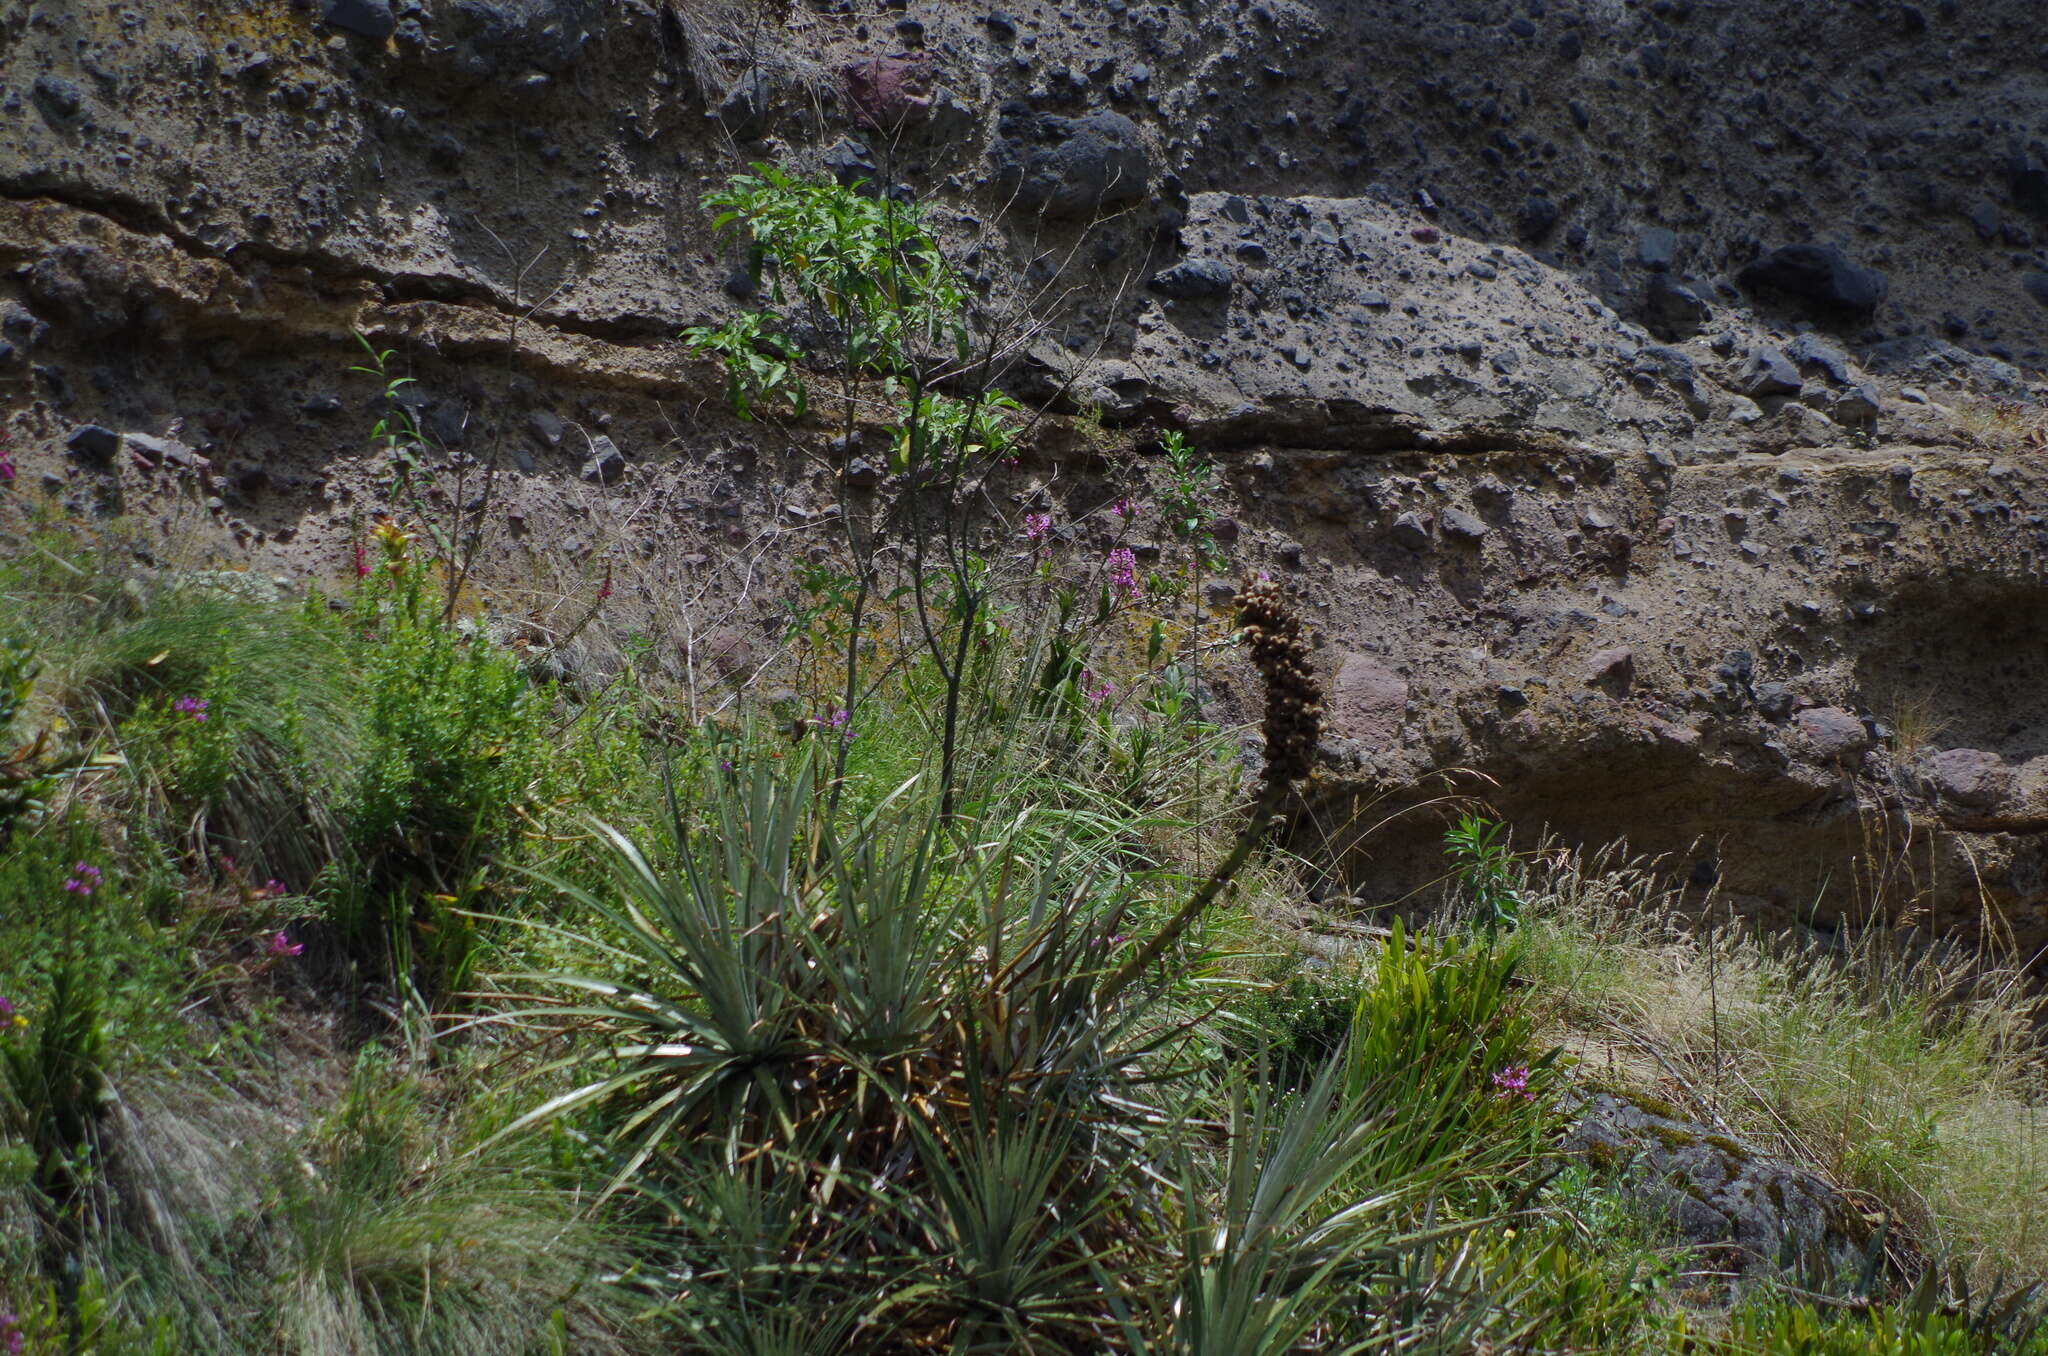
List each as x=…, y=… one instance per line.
x=194, y=707
x=1037, y=527
x=1122, y=564
x=1096, y=694
x=11, y=1340
x=84, y=877
x=281, y=945
x=1513, y=1081
x=1124, y=508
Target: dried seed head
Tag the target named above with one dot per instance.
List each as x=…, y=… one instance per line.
x=1271, y=632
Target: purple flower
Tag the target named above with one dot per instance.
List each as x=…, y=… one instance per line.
x=1122, y=564
x=9, y=1018
x=1513, y=1081
x=281, y=945
x=6, y=474
x=194, y=707
x=10, y=1330
x=274, y=888
x=84, y=877
x=1124, y=508
x=1096, y=695
x=1037, y=527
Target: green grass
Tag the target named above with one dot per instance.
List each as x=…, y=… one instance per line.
x=1912, y=1078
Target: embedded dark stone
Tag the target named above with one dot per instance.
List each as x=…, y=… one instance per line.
x=93, y=444
x=1537, y=218
x=1675, y=310
x=1767, y=373
x=1069, y=166
x=1192, y=279
x=367, y=18
x=57, y=97
x=607, y=464
x=1462, y=526
x=1821, y=275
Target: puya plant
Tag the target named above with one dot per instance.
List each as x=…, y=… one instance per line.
x=859, y=298
x=898, y=1089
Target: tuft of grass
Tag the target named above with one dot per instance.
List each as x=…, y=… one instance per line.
x=1905, y=1073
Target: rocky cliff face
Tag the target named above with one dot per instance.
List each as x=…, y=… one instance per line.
x=1640, y=393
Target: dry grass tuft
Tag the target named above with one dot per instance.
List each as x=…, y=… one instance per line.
x=1906, y=1071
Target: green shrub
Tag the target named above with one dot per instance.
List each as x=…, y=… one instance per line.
x=52, y=1098
x=453, y=745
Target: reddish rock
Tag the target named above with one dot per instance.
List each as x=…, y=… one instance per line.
x=1367, y=701
x=1970, y=777
x=1613, y=670
x=1835, y=734
x=731, y=653
x=887, y=92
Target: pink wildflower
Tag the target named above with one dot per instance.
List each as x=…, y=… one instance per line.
x=1124, y=508
x=1513, y=1081
x=194, y=707
x=362, y=562
x=6, y=467
x=1096, y=695
x=11, y=1340
x=84, y=877
x=274, y=887
x=281, y=945
x=1037, y=527
x=1122, y=564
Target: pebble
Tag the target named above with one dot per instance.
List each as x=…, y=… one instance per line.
x=606, y=463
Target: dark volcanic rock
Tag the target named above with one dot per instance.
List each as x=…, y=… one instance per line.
x=1462, y=526
x=748, y=108
x=1675, y=310
x=1716, y=1189
x=494, y=36
x=1537, y=218
x=606, y=463
x=57, y=97
x=368, y=18
x=1194, y=278
x=1767, y=373
x=1408, y=531
x=1821, y=275
x=1068, y=167
x=92, y=444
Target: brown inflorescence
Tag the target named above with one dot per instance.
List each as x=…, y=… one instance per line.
x=1294, y=700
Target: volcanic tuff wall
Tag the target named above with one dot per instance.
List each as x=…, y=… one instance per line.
x=1612, y=378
